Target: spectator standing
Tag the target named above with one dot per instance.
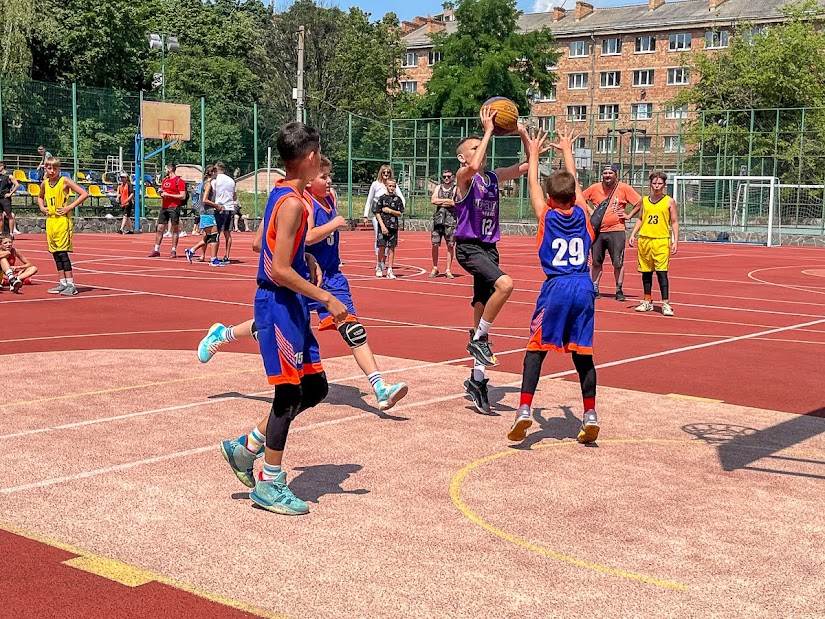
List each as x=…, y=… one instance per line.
x=388, y=209
x=225, y=197
x=172, y=194
x=444, y=221
x=8, y=187
x=378, y=189
x=41, y=167
x=612, y=233
x=206, y=206
x=126, y=201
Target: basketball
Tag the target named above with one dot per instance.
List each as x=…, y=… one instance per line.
x=506, y=119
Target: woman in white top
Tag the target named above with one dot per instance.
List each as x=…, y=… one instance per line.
x=378, y=189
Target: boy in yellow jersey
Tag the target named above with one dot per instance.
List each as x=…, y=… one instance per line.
x=658, y=231
x=54, y=204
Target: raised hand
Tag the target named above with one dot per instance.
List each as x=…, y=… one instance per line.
x=487, y=114
x=565, y=140
x=536, y=144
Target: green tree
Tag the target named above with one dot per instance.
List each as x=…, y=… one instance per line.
x=486, y=57
x=749, y=99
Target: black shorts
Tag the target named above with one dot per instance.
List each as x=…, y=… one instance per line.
x=5, y=205
x=613, y=244
x=223, y=220
x=169, y=215
x=389, y=240
x=481, y=261
x=126, y=211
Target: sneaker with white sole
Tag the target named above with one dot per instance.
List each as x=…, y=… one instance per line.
x=69, y=291
x=57, y=289
x=379, y=272
x=518, y=431
x=666, y=309
x=590, y=427
x=209, y=345
x=390, y=274
x=390, y=395
x=15, y=284
x=275, y=496
x=645, y=306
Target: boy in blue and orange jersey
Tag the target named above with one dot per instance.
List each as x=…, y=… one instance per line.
x=290, y=352
x=323, y=238
x=565, y=310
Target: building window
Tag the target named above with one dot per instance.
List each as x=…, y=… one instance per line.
x=547, y=96
x=673, y=112
x=546, y=123
x=749, y=34
x=609, y=111
x=577, y=81
x=679, y=42
x=643, y=77
x=410, y=60
x=411, y=87
x=678, y=77
x=645, y=45
x=579, y=49
x=576, y=113
x=605, y=145
x=717, y=40
x=674, y=144
x=641, y=111
x=611, y=47
x=578, y=144
x=610, y=79
x=433, y=57
x=640, y=144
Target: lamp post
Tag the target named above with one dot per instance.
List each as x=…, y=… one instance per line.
x=633, y=131
x=165, y=43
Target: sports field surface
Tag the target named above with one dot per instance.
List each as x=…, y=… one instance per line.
x=702, y=498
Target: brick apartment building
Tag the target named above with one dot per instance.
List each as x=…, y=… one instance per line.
x=619, y=66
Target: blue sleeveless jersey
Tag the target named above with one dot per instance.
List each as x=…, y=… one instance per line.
x=478, y=211
x=279, y=194
x=564, y=241
x=326, y=252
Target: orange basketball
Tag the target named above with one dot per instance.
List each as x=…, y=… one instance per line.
x=506, y=118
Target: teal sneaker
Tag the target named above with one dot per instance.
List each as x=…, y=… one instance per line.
x=389, y=396
x=240, y=459
x=212, y=342
x=275, y=496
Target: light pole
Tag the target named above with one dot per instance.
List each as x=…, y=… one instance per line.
x=165, y=43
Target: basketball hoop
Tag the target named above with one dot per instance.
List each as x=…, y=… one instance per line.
x=176, y=140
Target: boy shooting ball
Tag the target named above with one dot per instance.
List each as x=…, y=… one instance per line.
x=54, y=204
x=477, y=232
x=658, y=233
x=565, y=310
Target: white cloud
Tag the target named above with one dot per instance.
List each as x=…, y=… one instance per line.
x=541, y=6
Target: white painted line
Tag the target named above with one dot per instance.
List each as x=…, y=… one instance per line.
x=58, y=297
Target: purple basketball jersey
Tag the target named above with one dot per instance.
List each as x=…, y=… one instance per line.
x=477, y=212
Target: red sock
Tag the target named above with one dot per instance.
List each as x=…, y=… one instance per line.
x=589, y=403
x=526, y=399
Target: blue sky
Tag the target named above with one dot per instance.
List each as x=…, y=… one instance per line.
x=408, y=10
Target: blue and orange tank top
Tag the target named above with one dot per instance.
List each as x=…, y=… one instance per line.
x=277, y=197
x=564, y=238
x=326, y=252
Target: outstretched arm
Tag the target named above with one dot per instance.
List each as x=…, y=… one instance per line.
x=536, y=145
x=511, y=173
x=473, y=166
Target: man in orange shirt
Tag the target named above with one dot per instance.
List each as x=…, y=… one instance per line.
x=612, y=233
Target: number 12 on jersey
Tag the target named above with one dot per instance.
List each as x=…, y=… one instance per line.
x=487, y=226
x=568, y=253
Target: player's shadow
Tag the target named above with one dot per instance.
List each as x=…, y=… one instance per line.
x=338, y=394
x=322, y=479
x=557, y=428
x=494, y=396
x=740, y=447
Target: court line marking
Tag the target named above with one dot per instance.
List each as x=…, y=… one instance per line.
x=752, y=275
x=694, y=398
x=109, y=334
x=57, y=297
x=86, y=560
x=457, y=483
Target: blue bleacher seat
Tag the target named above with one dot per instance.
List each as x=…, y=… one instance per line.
x=34, y=175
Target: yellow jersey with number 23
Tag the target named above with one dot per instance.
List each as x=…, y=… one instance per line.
x=656, y=223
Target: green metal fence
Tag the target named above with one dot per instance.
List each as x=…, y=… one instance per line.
x=93, y=130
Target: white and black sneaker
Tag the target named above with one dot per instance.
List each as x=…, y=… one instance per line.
x=477, y=390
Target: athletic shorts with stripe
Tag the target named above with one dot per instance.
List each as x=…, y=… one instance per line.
x=288, y=346
x=338, y=286
x=653, y=254
x=564, y=319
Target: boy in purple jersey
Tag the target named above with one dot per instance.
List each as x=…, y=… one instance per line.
x=288, y=347
x=565, y=309
x=476, y=234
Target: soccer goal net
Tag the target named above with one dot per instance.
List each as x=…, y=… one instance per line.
x=741, y=209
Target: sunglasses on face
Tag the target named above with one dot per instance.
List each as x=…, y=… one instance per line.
x=385, y=173
x=447, y=176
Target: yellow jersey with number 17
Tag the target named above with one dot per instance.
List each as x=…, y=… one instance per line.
x=656, y=222
x=56, y=197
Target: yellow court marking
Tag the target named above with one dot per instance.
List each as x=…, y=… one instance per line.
x=125, y=388
x=455, y=494
x=695, y=398
x=130, y=575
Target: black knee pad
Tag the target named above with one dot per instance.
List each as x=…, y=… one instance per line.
x=314, y=388
x=286, y=401
x=353, y=333
x=211, y=238
x=254, y=331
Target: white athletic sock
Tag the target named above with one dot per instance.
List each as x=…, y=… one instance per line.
x=375, y=380
x=70, y=281
x=255, y=440
x=270, y=471
x=10, y=274
x=63, y=280
x=157, y=247
x=483, y=329
x=229, y=334
x=478, y=372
